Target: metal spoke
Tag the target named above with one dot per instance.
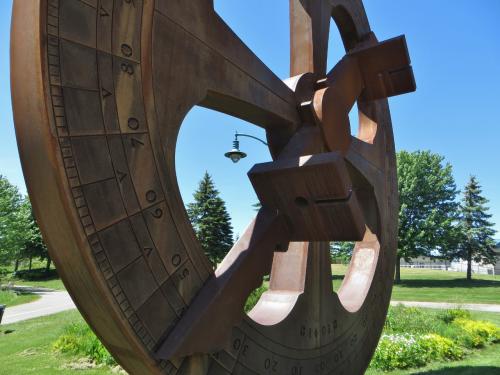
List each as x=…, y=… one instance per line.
x=309, y=30
x=226, y=75
x=225, y=293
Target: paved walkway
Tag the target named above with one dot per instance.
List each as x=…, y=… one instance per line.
x=446, y=305
x=51, y=302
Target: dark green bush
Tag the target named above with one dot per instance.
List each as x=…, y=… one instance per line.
x=253, y=298
x=449, y=316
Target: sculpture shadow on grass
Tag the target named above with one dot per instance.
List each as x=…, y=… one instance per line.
x=463, y=370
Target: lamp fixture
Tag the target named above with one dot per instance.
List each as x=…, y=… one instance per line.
x=235, y=154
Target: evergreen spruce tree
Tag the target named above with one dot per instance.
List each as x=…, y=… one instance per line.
x=211, y=220
x=476, y=243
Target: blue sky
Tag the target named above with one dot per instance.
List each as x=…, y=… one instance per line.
x=455, y=50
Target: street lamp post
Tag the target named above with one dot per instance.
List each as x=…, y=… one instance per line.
x=235, y=154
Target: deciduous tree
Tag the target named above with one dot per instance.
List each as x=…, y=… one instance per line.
x=341, y=251
x=14, y=222
x=428, y=208
x=34, y=246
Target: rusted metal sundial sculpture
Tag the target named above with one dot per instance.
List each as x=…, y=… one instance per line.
x=100, y=89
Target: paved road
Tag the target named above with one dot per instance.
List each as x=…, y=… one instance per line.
x=51, y=302
x=445, y=305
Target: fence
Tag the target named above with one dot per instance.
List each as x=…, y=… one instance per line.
x=454, y=267
x=427, y=265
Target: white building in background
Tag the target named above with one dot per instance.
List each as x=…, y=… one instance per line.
x=457, y=266
x=489, y=269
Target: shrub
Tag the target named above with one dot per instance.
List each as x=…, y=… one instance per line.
x=36, y=274
x=78, y=339
x=476, y=334
x=440, y=347
x=414, y=337
x=401, y=319
x=448, y=316
x=400, y=351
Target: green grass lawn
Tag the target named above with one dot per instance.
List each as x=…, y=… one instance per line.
x=37, y=277
x=28, y=348
x=476, y=315
x=11, y=298
x=51, y=283
x=438, y=286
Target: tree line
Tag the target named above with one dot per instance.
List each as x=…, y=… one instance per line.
x=434, y=221
x=21, y=240
x=20, y=237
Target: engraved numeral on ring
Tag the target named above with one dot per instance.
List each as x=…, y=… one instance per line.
x=151, y=196
x=157, y=213
x=237, y=344
x=184, y=274
x=105, y=93
x=103, y=12
x=133, y=123
x=176, y=260
x=136, y=142
x=270, y=364
x=127, y=68
x=121, y=175
x=126, y=50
